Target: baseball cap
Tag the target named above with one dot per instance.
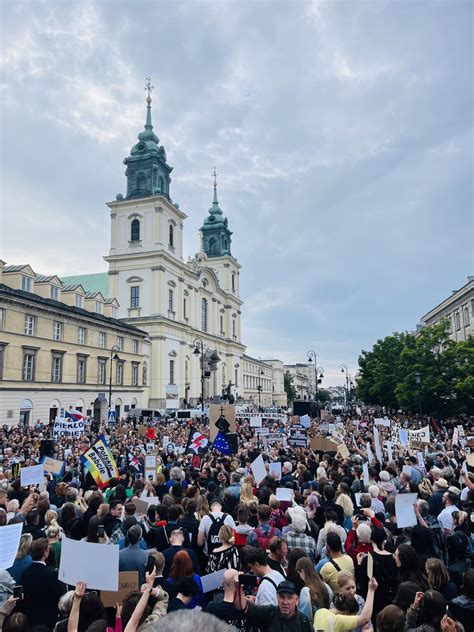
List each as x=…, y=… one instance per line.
x=287, y=587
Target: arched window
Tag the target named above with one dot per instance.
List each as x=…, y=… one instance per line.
x=186, y=371
x=135, y=230
x=225, y=245
x=204, y=314
x=212, y=245
x=233, y=282
x=144, y=374
x=161, y=185
x=171, y=235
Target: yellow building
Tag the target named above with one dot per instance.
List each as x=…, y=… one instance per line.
x=58, y=345
x=257, y=382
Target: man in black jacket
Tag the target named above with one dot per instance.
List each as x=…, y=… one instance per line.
x=328, y=503
x=41, y=587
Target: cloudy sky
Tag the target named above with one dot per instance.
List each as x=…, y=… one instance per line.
x=341, y=131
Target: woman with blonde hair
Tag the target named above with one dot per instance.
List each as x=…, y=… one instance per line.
x=438, y=578
x=202, y=508
x=246, y=494
x=226, y=555
x=53, y=533
x=315, y=593
x=50, y=518
x=23, y=558
x=344, y=501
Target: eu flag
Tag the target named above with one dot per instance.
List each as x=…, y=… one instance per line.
x=221, y=444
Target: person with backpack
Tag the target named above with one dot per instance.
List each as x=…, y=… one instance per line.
x=210, y=525
x=264, y=532
x=269, y=579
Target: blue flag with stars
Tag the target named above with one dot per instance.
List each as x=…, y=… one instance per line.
x=221, y=444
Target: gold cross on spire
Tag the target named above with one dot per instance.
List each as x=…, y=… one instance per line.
x=148, y=88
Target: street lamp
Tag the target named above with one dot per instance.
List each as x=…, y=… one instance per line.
x=345, y=369
x=113, y=356
x=312, y=356
x=418, y=388
x=199, y=350
x=259, y=388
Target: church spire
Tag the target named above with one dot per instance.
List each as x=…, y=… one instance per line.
x=215, y=231
x=147, y=170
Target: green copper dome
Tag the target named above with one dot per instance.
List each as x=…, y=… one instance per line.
x=215, y=231
x=147, y=171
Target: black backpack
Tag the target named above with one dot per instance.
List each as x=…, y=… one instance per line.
x=213, y=541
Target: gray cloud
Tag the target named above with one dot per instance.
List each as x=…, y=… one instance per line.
x=342, y=133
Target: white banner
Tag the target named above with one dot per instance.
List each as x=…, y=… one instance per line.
x=95, y=564
x=276, y=416
x=68, y=428
x=422, y=435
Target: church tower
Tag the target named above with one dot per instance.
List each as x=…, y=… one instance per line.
x=215, y=230
x=147, y=170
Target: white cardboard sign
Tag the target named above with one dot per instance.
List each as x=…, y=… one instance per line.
x=9, y=541
x=32, y=475
x=404, y=510
x=95, y=564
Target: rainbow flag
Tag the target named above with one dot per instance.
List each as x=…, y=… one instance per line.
x=99, y=461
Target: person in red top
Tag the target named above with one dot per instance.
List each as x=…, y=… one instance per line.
x=358, y=539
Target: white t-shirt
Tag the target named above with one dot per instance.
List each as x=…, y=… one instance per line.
x=267, y=594
x=445, y=518
x=206, y=523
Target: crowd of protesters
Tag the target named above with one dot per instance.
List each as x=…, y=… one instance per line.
x=332, y=558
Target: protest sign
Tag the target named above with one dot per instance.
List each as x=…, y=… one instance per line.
x=321, y=444
x=258, y=469
x=255, y=422
x=9, y=541
x=305, y=421
x=343, y=450
x=470, y=459
x=127, y=583
x=297, y=436
x=212, y=581
x=403, y=436
x=33, y=475
x=275, y=470
x=365, y=474
x=142, y=506
x=52, y=466
x=99, y=461
x=95, y=564
x=370, y=454
x=422, y=435
x=68, y=428
x=378, y=449
x=284, y=493
x=325, y=414
x=404, y=510
x=215, y=411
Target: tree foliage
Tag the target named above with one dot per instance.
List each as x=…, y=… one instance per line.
x=387, y=375
x=290, y=390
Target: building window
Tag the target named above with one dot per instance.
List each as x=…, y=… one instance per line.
x=204, y=314
x=222, y=325
x=54, y=293
x=26, y=283
x=233, y=329
x=28, y=366
x=79, y=300
x=119, y=374
x=144, y=374
x=134, y=373
x=81, y=335
x=2, y=359
x=185, y=309
x=30, y=322
x=236, y=377
x=233, y=282
x=171, y=236
x=57, y=331
x=98, y=307
x=57, y=368
x=465, y=315
x=135, y=297
x=170, y=300
x=171, y=371
x=81, y=370
x=120, y=343
x=135, y=230
x=457, y=320
x=186, y=371
x=101, y=374
x=2, y=318
x=102, y=339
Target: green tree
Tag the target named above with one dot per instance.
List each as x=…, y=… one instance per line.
x=380, y=371
x=324, y=396
x=290, y=390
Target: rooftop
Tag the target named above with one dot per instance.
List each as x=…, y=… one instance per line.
x=97, y=282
